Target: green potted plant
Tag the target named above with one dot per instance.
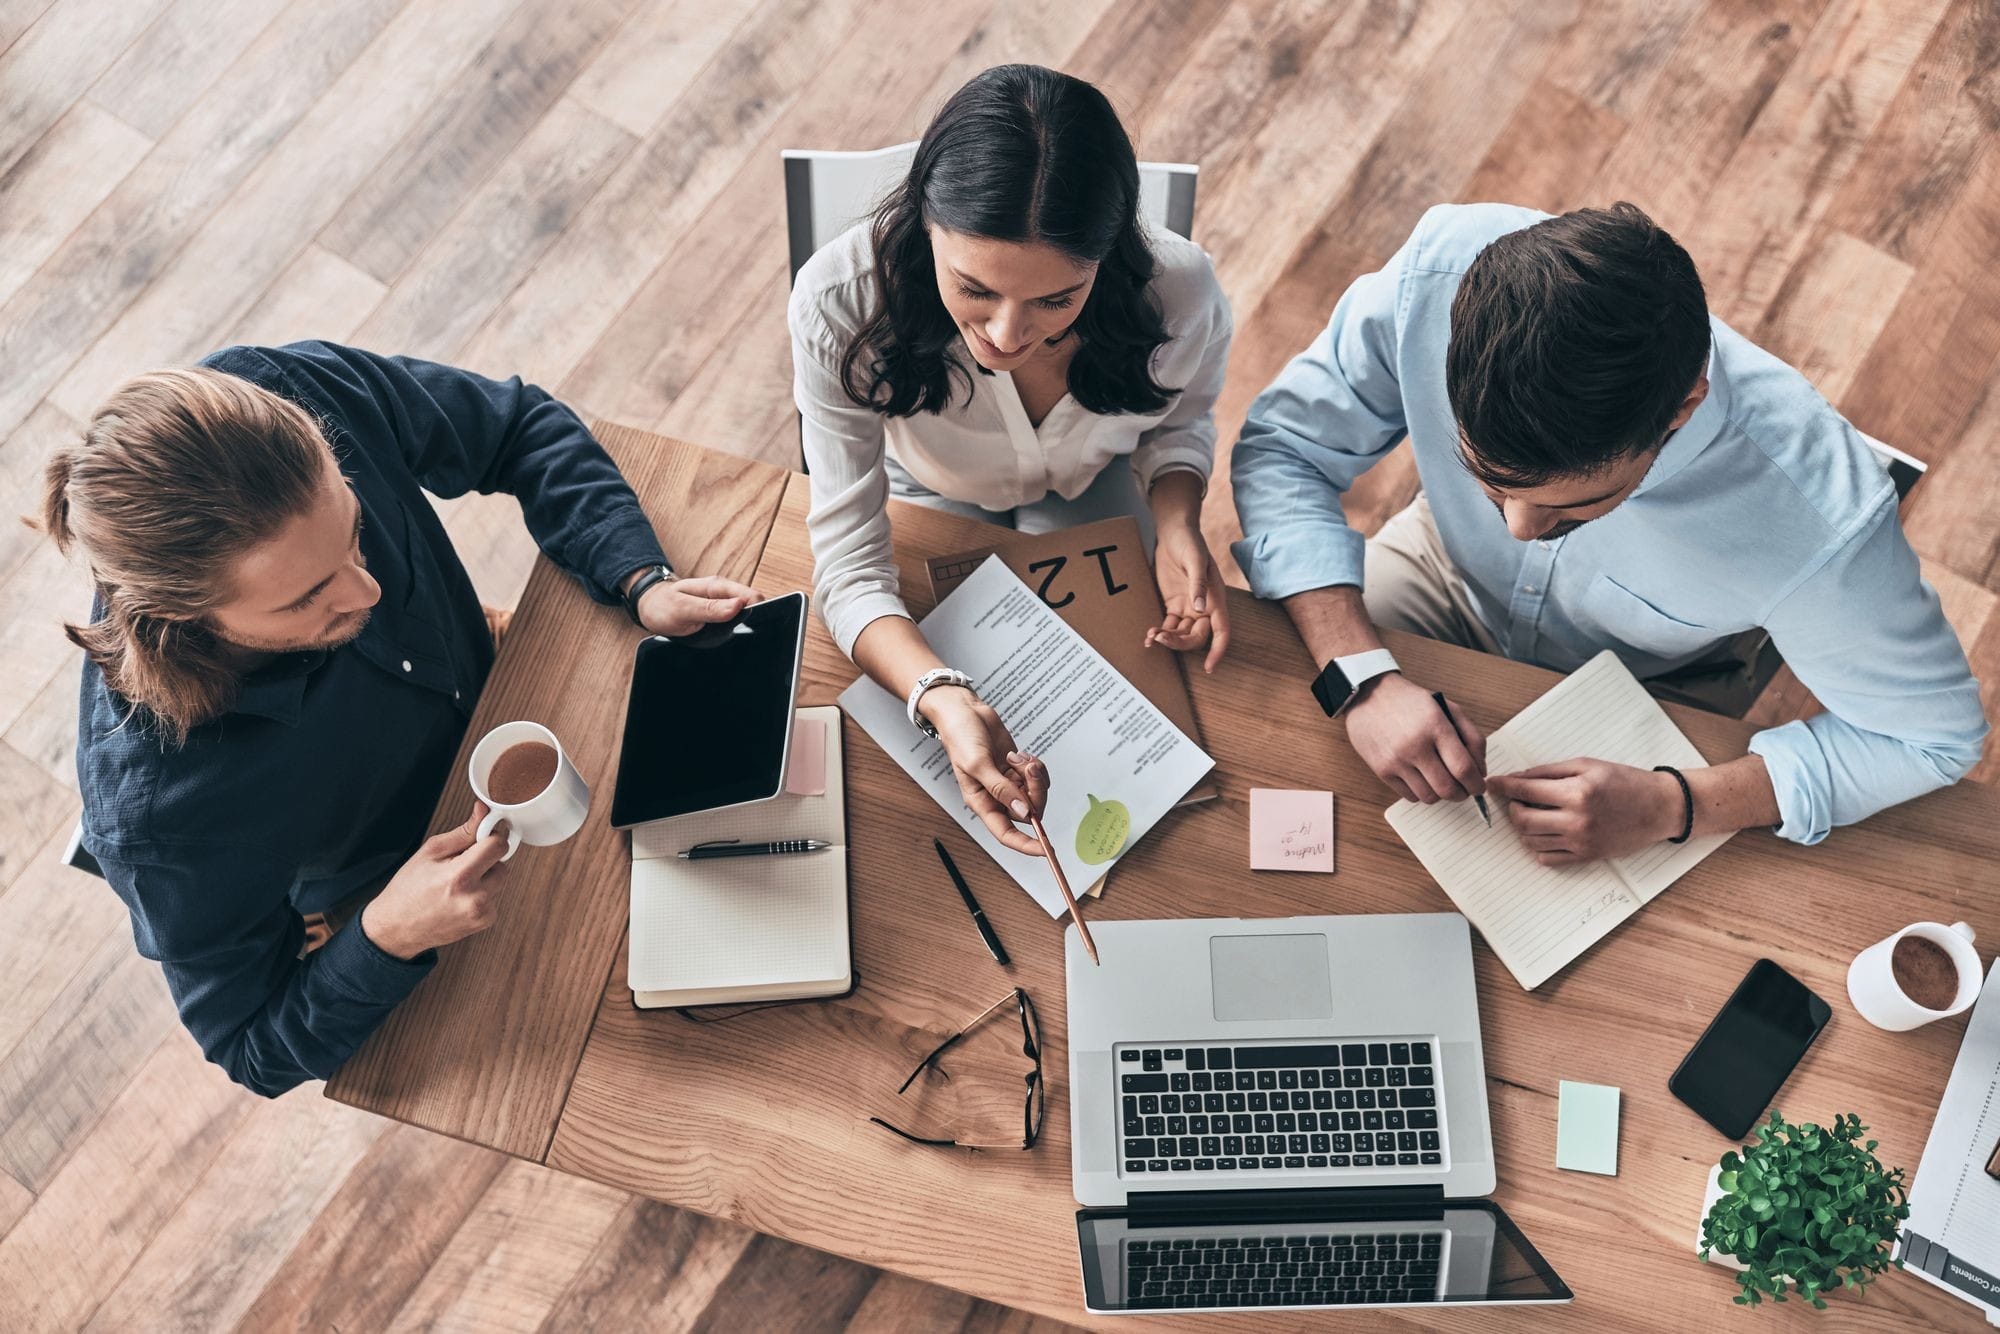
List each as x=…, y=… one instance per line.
x=1804, y=1205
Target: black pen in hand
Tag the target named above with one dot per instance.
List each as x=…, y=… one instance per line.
x=1445, y=709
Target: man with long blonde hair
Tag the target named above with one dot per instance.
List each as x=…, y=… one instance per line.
x=283, y=656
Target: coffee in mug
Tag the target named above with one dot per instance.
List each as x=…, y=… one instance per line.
x=1924, y=972
x=523, y=771
x=528, y=784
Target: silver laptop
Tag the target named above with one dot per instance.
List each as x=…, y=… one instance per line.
x=1287, y=1112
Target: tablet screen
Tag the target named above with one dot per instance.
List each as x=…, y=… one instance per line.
x=709, y=719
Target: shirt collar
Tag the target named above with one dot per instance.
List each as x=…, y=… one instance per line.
x=277, y=690
x=1700, y=430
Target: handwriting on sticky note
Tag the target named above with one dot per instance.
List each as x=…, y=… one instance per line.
x=1291, y=830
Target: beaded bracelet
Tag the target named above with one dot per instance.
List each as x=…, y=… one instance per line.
x=1687, y=796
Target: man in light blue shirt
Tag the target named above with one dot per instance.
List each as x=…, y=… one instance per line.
x=1604, y=466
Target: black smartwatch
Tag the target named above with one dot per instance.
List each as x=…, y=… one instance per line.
x=1341, y=680
x=658, y=574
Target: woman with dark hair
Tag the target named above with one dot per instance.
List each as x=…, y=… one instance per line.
x=1006, y=340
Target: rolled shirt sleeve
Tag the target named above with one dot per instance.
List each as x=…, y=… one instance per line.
x=1869, y=638
x=1184, y=441
x=1332, y=413
x=854, y=561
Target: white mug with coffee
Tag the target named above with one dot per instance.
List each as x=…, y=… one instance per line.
x=1925, y=971
x=526, y=780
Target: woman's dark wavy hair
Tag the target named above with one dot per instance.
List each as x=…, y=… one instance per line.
x=1021, y=153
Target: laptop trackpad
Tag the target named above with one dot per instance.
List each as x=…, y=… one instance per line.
x=1270, y=977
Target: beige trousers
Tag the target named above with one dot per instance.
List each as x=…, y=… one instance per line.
x=1410, y=584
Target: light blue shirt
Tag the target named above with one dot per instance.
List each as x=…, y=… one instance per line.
x=1765, y=509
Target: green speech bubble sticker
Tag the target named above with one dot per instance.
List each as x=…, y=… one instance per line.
x=1102, y=833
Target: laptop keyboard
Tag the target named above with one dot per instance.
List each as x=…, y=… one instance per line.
x=1279, y=1108
x=1319, y=1269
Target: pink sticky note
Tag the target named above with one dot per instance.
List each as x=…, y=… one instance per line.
x=805, y=775
x=1290, y=830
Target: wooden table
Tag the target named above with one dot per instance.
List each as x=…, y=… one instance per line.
x=525, y=1038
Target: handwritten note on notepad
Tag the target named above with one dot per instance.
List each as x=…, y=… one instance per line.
x=1539, y=918
x=1290, y=830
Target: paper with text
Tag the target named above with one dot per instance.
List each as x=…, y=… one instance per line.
x=1116, y=763
x=1952, y=1236
x=1539, y=918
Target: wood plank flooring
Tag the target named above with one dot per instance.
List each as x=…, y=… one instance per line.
x=586, y=192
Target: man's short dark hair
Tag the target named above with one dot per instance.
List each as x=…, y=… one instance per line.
x=1573, y=343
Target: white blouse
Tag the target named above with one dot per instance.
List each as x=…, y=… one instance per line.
x=982, y=449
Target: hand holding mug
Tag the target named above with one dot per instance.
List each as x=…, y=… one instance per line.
x=443, y=894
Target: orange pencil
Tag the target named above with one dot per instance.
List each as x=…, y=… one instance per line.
x=1062, y=883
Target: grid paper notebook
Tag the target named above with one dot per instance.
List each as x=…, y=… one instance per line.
x=734, y=929
x=1538, y=918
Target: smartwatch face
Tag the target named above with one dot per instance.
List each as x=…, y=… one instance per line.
x=1332, y=690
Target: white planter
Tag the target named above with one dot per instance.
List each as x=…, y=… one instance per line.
x=1708, y=1199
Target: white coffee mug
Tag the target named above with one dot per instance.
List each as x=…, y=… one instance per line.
x=1881, y=1000
x=548, y=817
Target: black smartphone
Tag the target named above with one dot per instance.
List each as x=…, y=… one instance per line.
x=1750, y=1048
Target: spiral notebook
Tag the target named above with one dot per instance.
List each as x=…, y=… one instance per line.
x=1537, y=918
x=728, y=930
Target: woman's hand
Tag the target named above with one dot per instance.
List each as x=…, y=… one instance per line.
x=999, y=782
x=1192, y=590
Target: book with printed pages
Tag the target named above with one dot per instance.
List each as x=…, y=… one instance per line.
x=735, y=930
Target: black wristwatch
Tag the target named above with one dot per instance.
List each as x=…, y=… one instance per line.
x=1341, y=679
x=658, y=574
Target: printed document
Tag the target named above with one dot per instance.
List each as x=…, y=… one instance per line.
x=1116, y=763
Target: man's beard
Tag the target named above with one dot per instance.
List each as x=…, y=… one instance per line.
x=344, y=631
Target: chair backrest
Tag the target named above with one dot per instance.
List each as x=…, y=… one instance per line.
x=827, y=191
x=78, y=856
x=1903, y=469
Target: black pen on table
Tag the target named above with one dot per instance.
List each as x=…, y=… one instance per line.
x=1445, y=709
x=732, y=848
x=993, y=945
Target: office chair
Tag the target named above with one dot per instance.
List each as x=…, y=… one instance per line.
x=76, y=855
x=828, y=191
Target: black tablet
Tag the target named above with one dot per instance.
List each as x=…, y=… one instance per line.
x=708, y=722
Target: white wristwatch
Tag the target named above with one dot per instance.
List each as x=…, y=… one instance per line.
x=1341, y=680
x=936, y=676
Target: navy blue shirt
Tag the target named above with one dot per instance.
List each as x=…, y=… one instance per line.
x=322, y=778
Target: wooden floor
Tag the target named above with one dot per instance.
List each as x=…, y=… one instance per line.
x=587, y=193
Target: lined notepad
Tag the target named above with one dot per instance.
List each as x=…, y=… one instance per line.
x=734, y=929
x=1538, y=918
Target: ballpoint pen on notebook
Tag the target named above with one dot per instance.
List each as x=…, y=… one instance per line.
x=732, y=848
x=986, y=932
x=1062, y=883
x=1445, y=709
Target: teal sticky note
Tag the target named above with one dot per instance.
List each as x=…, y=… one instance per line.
x=1587, y=1128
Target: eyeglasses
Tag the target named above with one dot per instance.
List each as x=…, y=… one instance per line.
x=1036, y=1107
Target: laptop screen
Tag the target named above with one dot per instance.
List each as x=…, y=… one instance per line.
x=1454, y=1253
